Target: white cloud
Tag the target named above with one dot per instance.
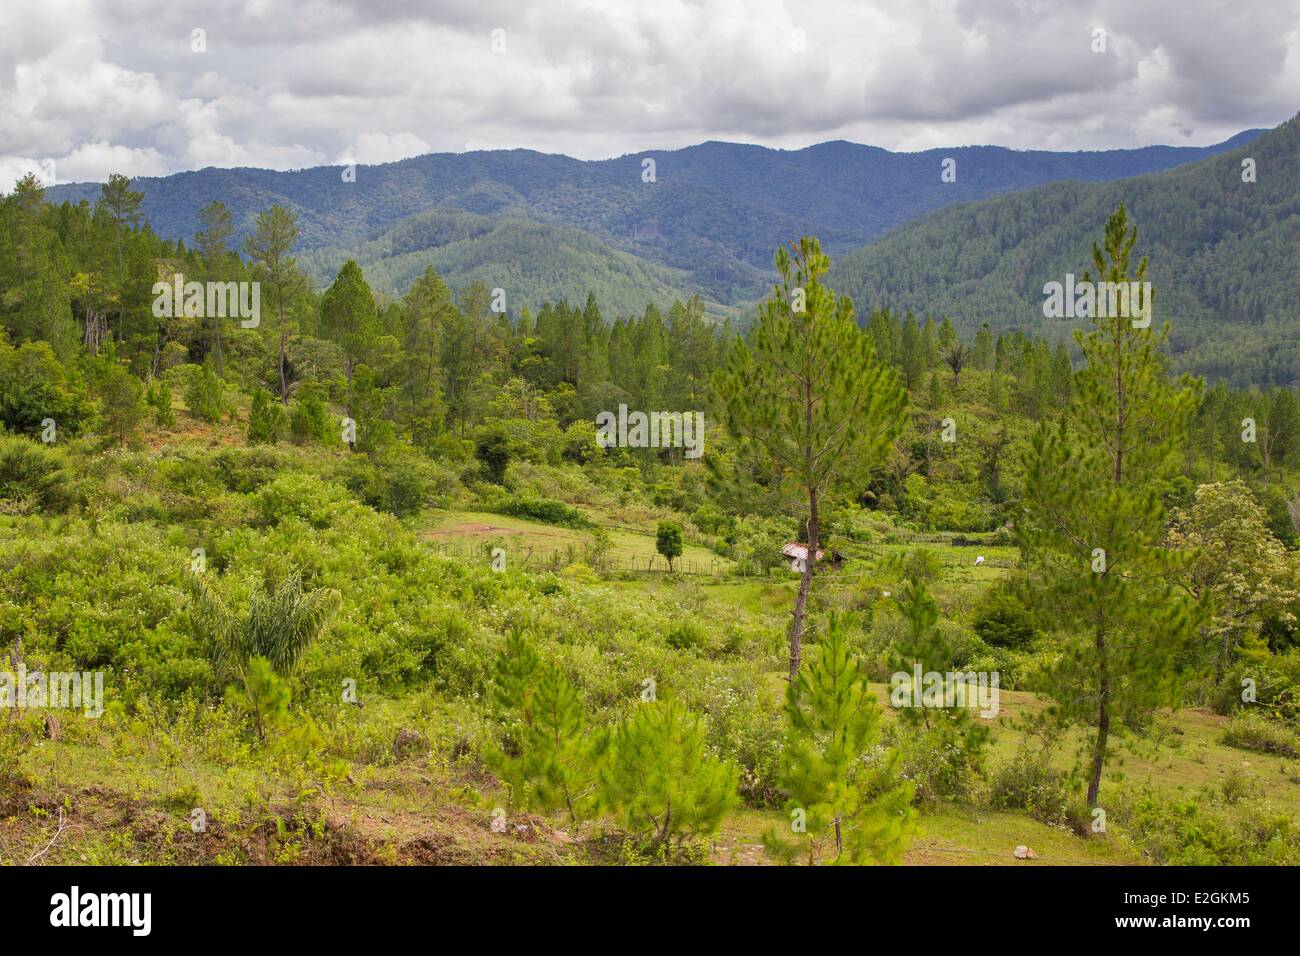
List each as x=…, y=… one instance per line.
x=307, y=82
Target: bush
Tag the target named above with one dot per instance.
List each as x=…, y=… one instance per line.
x=205, y=395
x=1251, y=731
x=32, y=476
x=1003, y=621
x=492, y=449
x=159, y=397
x=309, y=421
x=544, y=510
x=267, y=420
x=34, y=387
x=121, y=401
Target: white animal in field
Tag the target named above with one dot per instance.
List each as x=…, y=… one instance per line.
x=979, y=559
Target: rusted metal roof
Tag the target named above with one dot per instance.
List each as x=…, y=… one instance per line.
x=800, y=551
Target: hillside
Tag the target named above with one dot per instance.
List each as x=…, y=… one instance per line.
x=1223, y=258
x=535, y=262
x=716, y=209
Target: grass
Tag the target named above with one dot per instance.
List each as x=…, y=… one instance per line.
x=531, y=540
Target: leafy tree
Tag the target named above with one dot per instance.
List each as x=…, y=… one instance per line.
x=807, y=391
x=1094, y=520
x=660, y=779
x=492, y=448
x=668, y=541
x=1238, y=563
x=844, y=802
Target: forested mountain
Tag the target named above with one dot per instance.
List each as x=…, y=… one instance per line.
x=716, y=210
x=536, y=262
x=1224, y=255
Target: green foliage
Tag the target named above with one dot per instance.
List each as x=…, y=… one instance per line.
x=668, y=541
x=845, y=804
x=267, y=420
x=264, y=696
x=660, y=779
x=310, y=422
x=158, y=396
x=283, y=618
x=1094, y=521
x=34, y=387
x=492, y=449
x=1002, y=620
x=1253, y=731
x=33, y=477
x=205, y=395
x=553, y=758
x=544, y=510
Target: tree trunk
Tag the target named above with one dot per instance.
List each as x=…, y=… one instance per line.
x=805, y=584
x=1103, y=721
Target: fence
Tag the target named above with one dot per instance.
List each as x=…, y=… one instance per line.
x=557, y=559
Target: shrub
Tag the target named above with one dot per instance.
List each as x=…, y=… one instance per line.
x=1251, y=731
x=34, y=387
x=205, y=395
x=159, y=397
x=32, y=476
x=492, y=449
x=543, y=509
x=309, y=421
x=267, y=419
x=1003, y=621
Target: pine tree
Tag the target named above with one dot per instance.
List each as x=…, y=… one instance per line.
x=271, y=249
x=844, y=802
x=349, y=316
x=267, y=420
x=807, y=391
x=660, y=779
x=213, y=241
x=1094, y=520
x=555, y=758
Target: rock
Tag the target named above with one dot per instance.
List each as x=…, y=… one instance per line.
x=53, y=729
x=1023, y=852
x=409, y=743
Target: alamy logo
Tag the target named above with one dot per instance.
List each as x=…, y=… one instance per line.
x=1100, y=300
x=38, y=690
x=655, y=430
x=103, y=909
x=209, y=300
x=946, y=690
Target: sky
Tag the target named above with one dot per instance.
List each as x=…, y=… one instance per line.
x=150, y=87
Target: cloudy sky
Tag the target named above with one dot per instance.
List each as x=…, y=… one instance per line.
x=130, y=86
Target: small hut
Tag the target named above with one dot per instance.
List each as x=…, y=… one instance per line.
x=797, y=554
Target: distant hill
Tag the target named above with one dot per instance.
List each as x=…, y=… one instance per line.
x=1225, y=258
x=536, y=262
x=717, y=211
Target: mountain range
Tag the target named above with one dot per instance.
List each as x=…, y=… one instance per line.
x=975, y=245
